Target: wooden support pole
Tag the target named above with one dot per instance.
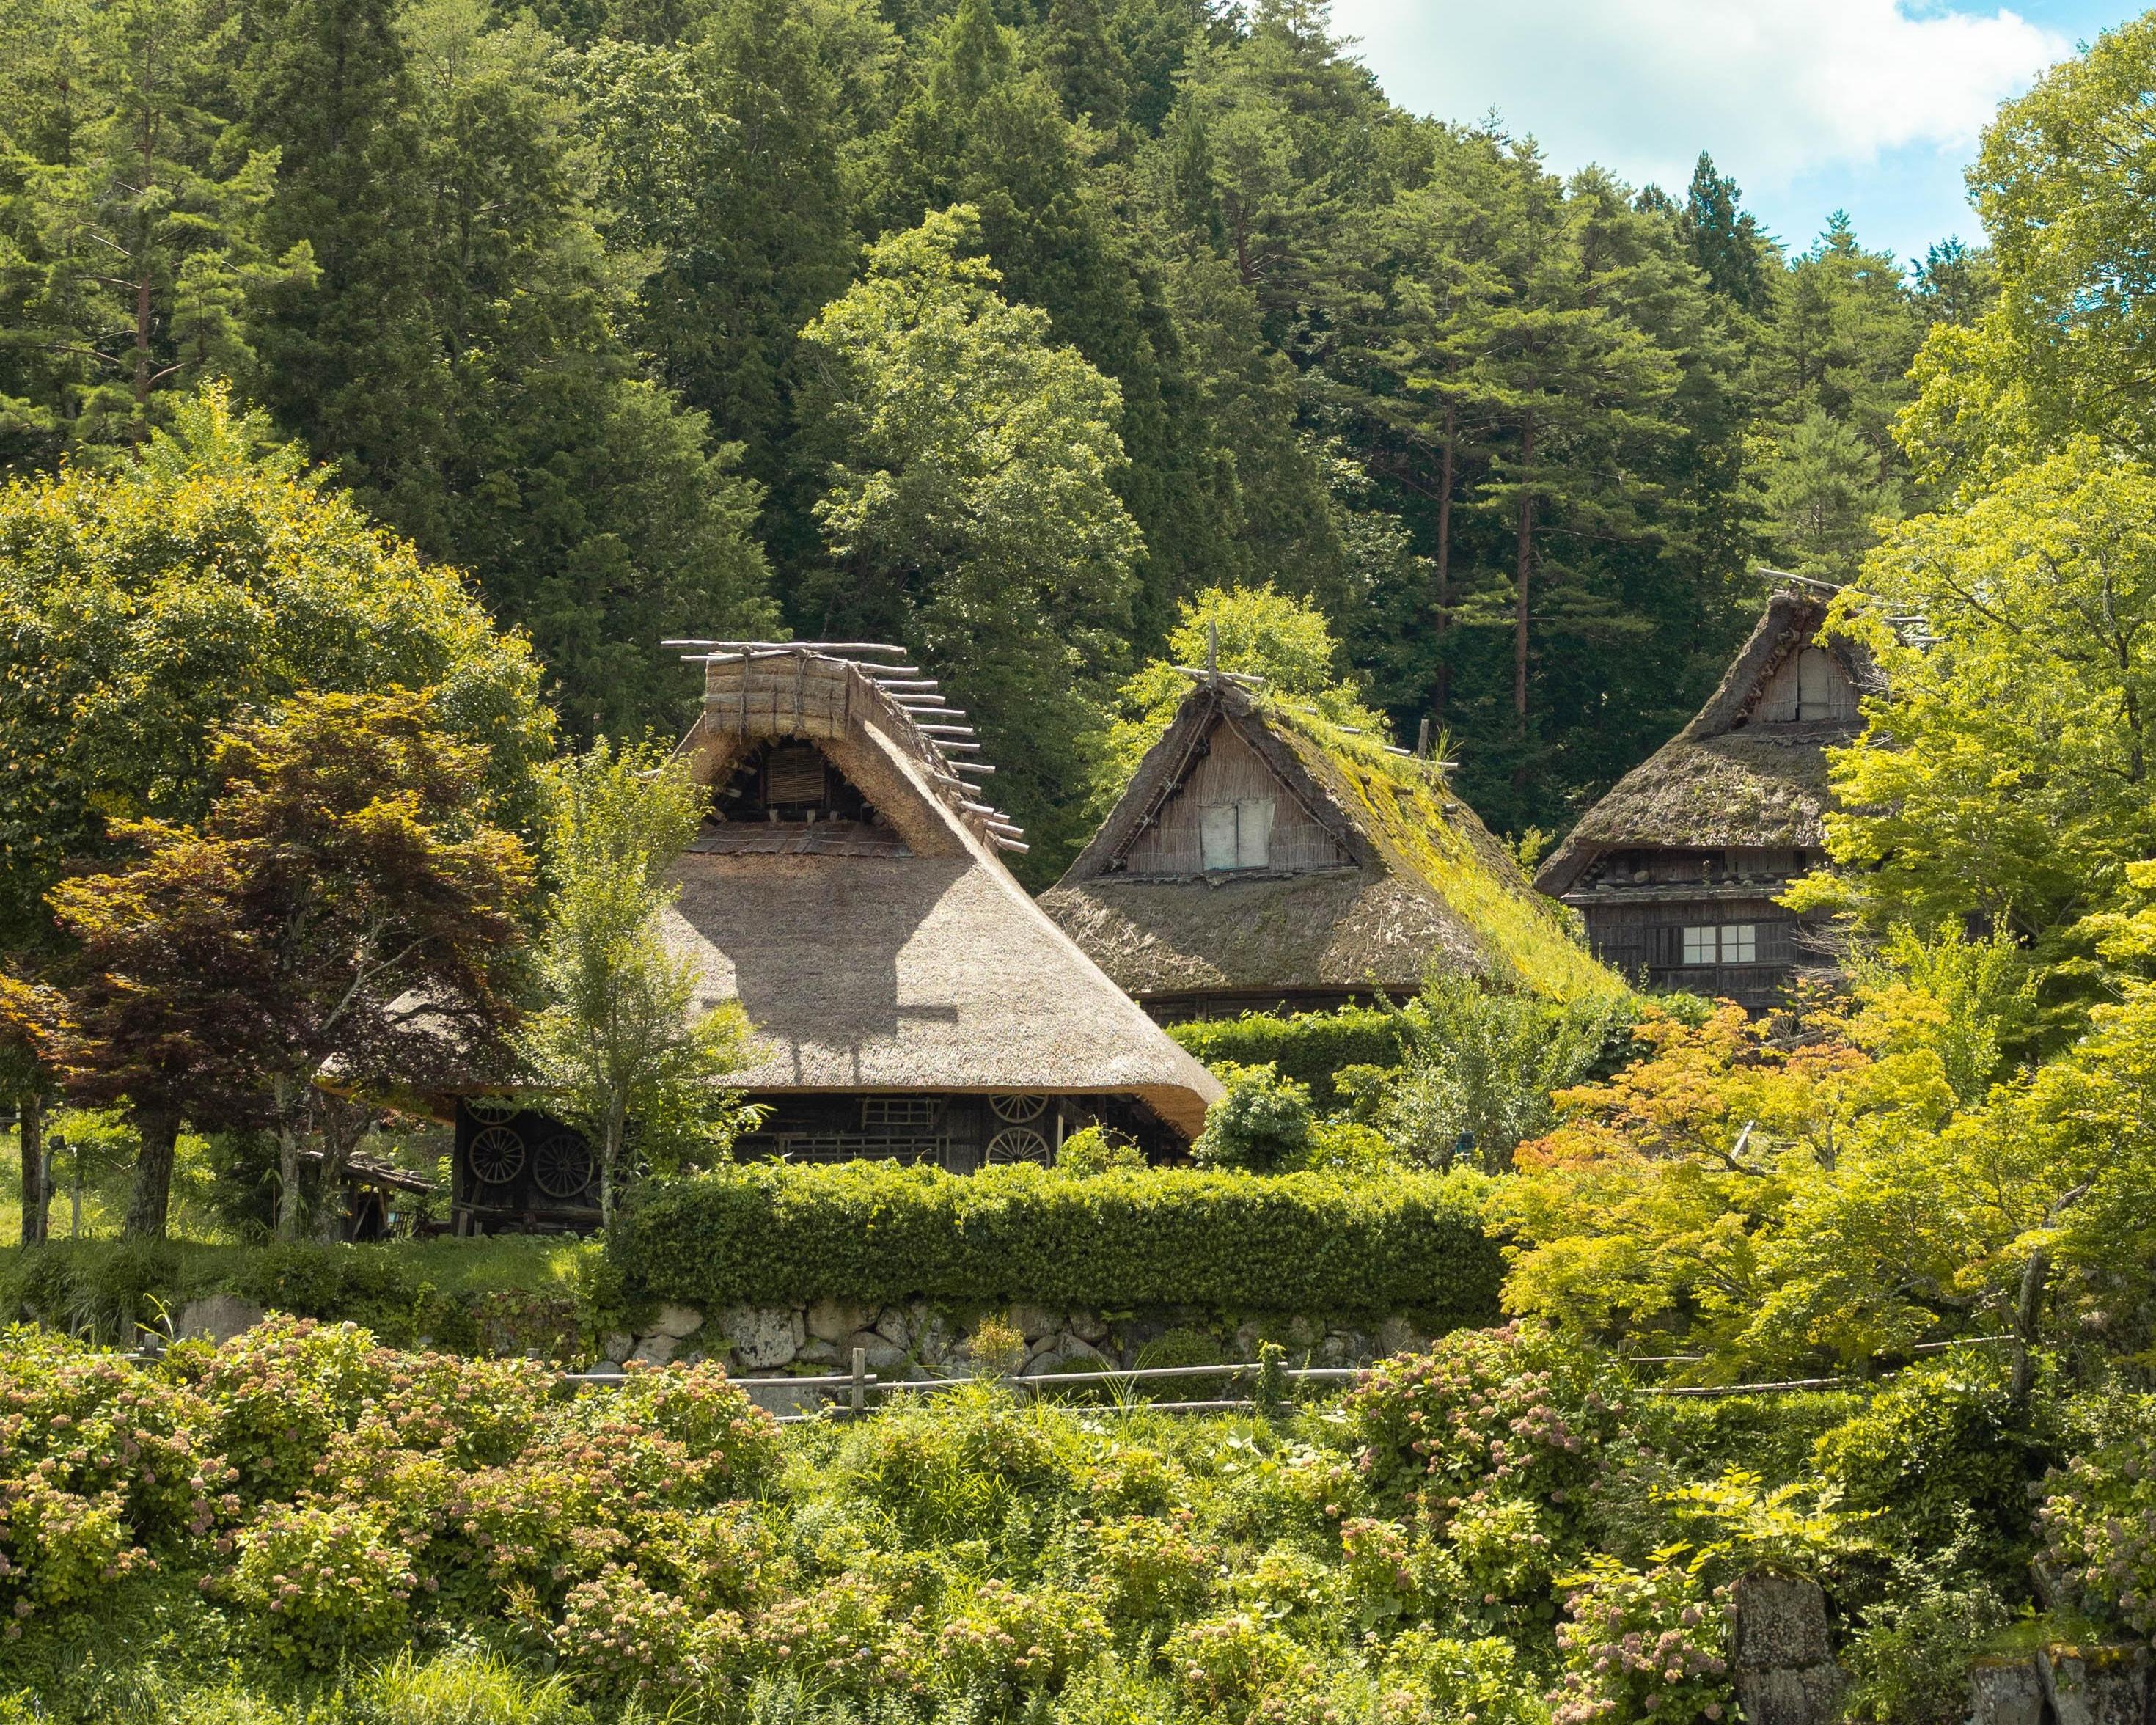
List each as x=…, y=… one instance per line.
x=861, y=1384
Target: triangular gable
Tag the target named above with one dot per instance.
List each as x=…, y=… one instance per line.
x=1219, y=795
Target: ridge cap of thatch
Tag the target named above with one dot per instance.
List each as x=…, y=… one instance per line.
x=1790, y=621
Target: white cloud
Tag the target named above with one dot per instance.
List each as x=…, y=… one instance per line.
x=1776, y=89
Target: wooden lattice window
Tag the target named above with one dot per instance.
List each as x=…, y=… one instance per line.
x=898, y=1113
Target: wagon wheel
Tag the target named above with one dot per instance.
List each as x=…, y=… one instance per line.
x=1018, y=1109
x=562, y=1165
x=1018, y=1143
x=496, y=1155
x=493, y=1111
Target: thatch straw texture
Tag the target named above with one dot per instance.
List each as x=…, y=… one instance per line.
x=929, y=971
x=1726, y=780
x=1420, y=882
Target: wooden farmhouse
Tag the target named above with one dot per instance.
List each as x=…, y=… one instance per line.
x=1263, y=858
x=910, y=1000
x=1677, y=870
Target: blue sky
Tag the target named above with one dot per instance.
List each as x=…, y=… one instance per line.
x=1873, y=106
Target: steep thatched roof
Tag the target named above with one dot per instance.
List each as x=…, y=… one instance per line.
x=1416, y=880
x=899, y=955
x=1729, y=778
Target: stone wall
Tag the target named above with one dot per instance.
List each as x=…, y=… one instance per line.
x=919, y=1340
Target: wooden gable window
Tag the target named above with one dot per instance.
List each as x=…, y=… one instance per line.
x=1236, y=835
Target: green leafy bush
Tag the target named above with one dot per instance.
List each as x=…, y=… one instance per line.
x=621, y=1637
x=1263, y=1124
x=1097, y=1150
x=1149, y=1572
x=331, y=1578
x=881, y=1232
x=2097, y=1515
x=997, y=1642
x=1308, y=1047
x=1940, y=1449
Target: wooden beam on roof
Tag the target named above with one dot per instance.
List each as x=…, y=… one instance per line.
x=797, y=646
x=947, y=743
x=970, y=767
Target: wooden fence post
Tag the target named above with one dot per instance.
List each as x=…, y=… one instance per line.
x=860, y=1386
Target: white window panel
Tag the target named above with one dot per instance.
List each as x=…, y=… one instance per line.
x=1216, y=835
x=1740, y=943
x=1254, y=832
x=1700, y=946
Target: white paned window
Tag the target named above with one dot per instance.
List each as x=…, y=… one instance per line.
x=1723, y=943
x=1236, y=835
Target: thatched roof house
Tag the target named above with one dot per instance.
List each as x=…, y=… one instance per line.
x=909, y=999
x=1676, y=869
x=1263, y=858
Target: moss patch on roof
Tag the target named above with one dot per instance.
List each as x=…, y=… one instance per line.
x=1428, y=887
x=1427, y=835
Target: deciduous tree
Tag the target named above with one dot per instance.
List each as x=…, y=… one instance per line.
x=340, y=920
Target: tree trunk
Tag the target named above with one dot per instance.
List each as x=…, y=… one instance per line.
x=1524, y=577
x=150, y=1204
x=344, y=1124
x=36, y=1199
x=1442, y=691
x=291, y=1131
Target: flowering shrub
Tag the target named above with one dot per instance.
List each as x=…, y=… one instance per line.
x=538, y=1524
x=2097, y=1520
x=621, y=1637
x=480, y=1412
x=713, y=1560
x=848, y=1638
x=1641, y=1645
x=999, y=1641
x=1387, y=1578
x=725, y=1445
x=1130, y=1479
x=1509, y=1411
x=1150, y=1571
x=60, y=1547
x=1230, y=1666
x=1428, y=1676
x=1506, y=1548
x=332, y=1577
x=280, y=1393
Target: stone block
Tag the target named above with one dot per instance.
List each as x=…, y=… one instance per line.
x=936, y=1340
x=1068, y=1352
x=763, y=1335
x=884, y=1354
x=1398, y=1336
x=218, y=1317
x=1339, y=1348
x=835, y=1320
x=1811, y=1695
x=1303, y=1336
x=817, y=1352
x=676, y=1321
x=1781, y=1623
x=653, y=1350
x=1034, y=1321
x=2096, y=1685
x=615, y=1345
x=1089, y=1327
x=2005, y=1692
x=895, y=1324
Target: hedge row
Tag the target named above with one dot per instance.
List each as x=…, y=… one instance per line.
x=1309, y=1046
x=872, y=1232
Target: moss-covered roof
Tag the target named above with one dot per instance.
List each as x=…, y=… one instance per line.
x=1428, y=884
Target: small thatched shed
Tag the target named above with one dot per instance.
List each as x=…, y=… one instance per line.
x=1677, y=869
x=1262, y=858
x=909, y=1000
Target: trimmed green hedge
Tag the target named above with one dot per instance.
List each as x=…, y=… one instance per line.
x=1308, y=1046
x=874, y=1232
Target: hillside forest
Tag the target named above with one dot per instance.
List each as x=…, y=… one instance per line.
x=380, y=380
x=997, y=328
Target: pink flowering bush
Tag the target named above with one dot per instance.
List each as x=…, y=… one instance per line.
x=1389, y=1577
x=281, y=1395
x=1511, y=1412
x=1230, y=1667
x=848, y=1638
x=620, y=1637
x=2097, y=1520
x=1641, y=1645
x=996, y=1642
x=326, y=1580
x=1148, y=1573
